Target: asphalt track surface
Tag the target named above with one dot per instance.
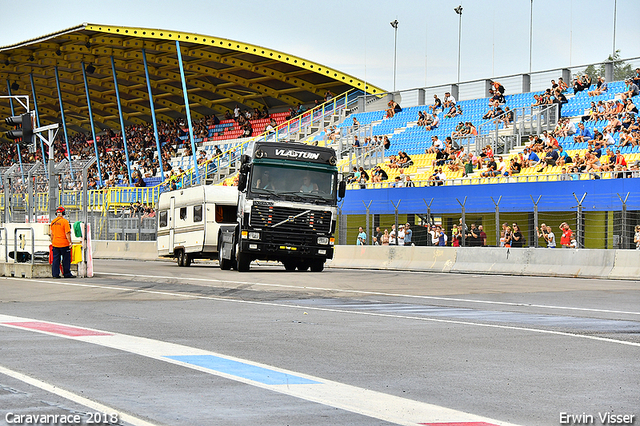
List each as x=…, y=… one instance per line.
x=149, y=343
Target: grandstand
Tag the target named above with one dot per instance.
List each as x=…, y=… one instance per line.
x=299, y=114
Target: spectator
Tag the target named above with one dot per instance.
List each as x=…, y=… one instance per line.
x=472, y=236
x=492, y=167
x=517, y=238
x=436, y=145
x=408, y=234
x=449, y=100
x=497, y=87
x=437, y=178
x=567, y=235
x=482, y=236
x=636, y=237
x=437, y=104
x=583, y=134
x=379, y=175
x=434, y=124
x=441, y=237
x=547, y=233
x=377, y=237
x=392, y=235
x=631, y=90
x=385, y=238
x=362, y=237
x=601, y=87
x=401, y=235
x=456, y=238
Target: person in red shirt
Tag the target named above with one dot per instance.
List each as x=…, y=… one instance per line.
x=567, y=233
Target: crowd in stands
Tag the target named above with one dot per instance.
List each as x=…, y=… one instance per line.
x=577, y=148
x=141, y=148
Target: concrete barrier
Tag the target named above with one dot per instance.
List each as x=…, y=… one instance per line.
x=137, y=250
x=491, y=260
x=585, y=263
x=436, y=259
x=614, y=264
x=626, y=265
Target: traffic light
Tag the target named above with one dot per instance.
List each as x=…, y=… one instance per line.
x=24, y=129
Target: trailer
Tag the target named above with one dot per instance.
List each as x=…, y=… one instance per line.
x=189, y=221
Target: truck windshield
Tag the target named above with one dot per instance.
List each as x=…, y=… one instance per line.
x=292, y=183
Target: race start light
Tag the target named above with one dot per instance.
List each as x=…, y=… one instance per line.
x=24, y=124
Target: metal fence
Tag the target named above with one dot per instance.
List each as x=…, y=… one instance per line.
x=605, y=229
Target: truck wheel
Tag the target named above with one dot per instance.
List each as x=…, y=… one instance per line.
x=243, y=262
x=225, y=264
x=317, y=266
x=303, y=266
x=180, y=257
x=187, y=259
x=289, y=266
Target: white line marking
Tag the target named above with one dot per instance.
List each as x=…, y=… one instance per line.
x=377, y=293
x=74, y=397
x=361, y=401
x=343, y=311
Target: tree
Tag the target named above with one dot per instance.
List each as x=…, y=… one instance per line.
x=621, y=69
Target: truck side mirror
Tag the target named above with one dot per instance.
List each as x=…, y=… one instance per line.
x=242, y=182
x=342, y=189
x=245, y=159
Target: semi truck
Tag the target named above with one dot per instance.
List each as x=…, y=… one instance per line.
x=283, y=209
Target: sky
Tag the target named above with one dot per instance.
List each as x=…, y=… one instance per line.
x=355, y=36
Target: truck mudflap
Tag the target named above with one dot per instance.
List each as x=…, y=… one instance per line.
x=226, y=242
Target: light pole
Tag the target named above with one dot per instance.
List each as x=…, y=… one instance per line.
x=530, y=34
x=394, y=24
x=458, y=10
x=615, y=13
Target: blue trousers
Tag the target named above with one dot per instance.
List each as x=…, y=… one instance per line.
x=65, y=254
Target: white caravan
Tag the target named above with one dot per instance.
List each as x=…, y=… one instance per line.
x=189, y=220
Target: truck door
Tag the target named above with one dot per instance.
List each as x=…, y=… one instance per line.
x=172, y=223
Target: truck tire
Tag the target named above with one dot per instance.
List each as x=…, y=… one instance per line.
x=225, y=264
x=289, y=266
x=187, y=259
x=243, y=262
x=317, y=266
x=180, y=257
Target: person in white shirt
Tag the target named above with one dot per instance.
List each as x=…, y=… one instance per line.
x=392, y=236
x=449, y=100
x=551, y=238
x=607, y=138
x=502, y=167
x=401, y=236
x=434, y=124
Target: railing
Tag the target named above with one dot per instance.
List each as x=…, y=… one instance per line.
x=514, y=83
x=214, y=169
x=365, y=157
x=518, y=178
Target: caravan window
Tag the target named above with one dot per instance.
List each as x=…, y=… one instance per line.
x=197, y=213
x=183, y=213
x=225, y=214
x=162, y=219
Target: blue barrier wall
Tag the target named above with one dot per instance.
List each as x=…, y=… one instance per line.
x=516, y=197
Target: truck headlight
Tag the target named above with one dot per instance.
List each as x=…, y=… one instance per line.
x=323, y=241
x=254, y=235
